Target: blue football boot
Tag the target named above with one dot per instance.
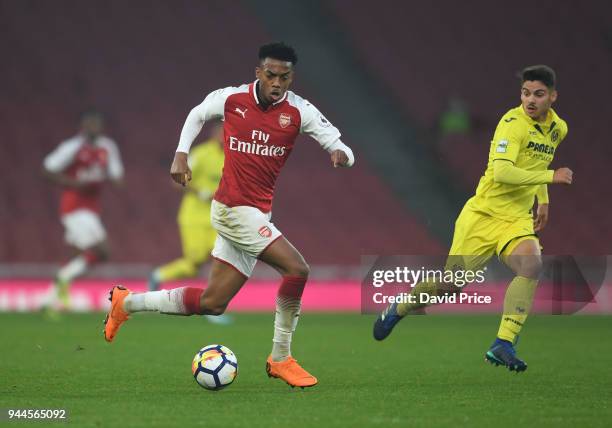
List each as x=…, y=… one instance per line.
x=503, y=353
x=386, y=321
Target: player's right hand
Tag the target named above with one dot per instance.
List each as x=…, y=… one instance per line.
x=179, y=171
x=563, y=176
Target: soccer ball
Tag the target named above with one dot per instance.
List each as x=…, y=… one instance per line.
x=214, y=367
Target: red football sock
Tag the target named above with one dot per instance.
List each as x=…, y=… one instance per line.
x=91, y=257
x=292, y=287
x=191, y=300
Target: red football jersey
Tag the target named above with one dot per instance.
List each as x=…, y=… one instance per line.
x=257, y=142
x=87, y=163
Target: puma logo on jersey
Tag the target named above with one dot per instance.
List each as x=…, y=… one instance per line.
x=242, y=113
x=510, y=119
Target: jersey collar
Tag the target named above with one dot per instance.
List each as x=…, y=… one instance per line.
x=85, y=139
x=548, y=124
x=254, y=92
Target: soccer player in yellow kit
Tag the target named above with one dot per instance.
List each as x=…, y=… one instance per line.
x=197, y=234
x=498, y=219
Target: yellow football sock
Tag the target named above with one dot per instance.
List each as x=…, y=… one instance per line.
x=430, y=288
x=178, y=269
x=517, y=304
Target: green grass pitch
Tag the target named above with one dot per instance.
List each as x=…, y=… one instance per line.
x=429, y=373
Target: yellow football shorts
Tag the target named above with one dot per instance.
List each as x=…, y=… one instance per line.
x=197, y=240
x=479, y=236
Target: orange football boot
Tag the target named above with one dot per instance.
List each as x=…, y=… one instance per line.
x=116, y=316
x=291, y=372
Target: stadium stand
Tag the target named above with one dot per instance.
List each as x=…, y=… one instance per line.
x=422, y=80
x=146, y=64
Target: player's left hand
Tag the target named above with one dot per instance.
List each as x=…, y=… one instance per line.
x=339, y=158
x=541, y=217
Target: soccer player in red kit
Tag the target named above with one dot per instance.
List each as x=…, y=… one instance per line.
x=261, y=122
x=80, y=165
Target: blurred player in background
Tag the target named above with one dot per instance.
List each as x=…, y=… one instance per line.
x=499, y=220
x=261, y=123
x=197, y=234
x=80, y=165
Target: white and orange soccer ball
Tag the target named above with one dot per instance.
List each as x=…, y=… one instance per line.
x=214, y=367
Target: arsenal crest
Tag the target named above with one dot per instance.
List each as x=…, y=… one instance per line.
x=265, y=231
x=284, y=120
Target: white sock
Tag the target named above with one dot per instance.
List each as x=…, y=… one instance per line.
x=50, y=297
x=285, y=322
x=73, y=269
x=163, y=301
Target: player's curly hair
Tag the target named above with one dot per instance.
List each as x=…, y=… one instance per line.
x=278, y=50
x=542, y=73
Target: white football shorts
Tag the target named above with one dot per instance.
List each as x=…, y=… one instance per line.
x=83, y=229
x=243, y=233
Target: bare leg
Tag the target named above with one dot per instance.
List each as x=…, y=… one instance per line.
x=79, y=264
x=223, y=284
x=284, y=257
x=526, y=259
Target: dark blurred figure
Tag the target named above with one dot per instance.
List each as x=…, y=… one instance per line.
x=455, y=119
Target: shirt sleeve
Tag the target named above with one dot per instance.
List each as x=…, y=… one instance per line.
x=542, y=194
x=564, y=130
x=115, y=166
x=314, y=124
x=507, y=140
x=211, y=108
x=506, y=173
x=63, y=155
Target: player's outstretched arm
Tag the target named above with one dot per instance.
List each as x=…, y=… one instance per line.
x=326, y=134
x=505, y=172
x=179, y=170
x=115, y=170
x=56, y=163
x=210, y=108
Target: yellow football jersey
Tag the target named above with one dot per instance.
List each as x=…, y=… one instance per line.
x=206, y=163
x=529, y=145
